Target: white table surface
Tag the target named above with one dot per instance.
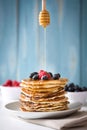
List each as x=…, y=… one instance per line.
x=9, y=122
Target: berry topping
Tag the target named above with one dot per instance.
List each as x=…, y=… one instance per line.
x=35, y=77
x=50, y=74
x=32, y=74
x=44, y=77
x=44, y=73
x=56, y=76
x=40, y=75
x=41, y=71
x=59, y=75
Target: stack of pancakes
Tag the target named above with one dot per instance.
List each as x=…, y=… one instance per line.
x=43, y=96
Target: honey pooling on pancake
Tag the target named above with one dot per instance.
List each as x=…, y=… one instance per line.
x=43, y=92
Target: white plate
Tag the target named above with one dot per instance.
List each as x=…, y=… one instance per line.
x=14, y=108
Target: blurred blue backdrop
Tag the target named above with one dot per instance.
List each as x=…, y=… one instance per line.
x=21, y=39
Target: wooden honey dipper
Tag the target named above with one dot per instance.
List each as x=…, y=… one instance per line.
x=44, y=16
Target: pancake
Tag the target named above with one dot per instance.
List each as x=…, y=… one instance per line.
x=41, y=91
x=46, y=94
x=43, y=95
x=50, y=109
x=44, y=106
x=39, y=83
x=35, y=100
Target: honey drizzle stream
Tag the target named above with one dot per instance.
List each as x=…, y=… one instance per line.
x=44, y=51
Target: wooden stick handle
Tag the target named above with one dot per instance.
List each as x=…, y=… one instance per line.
x=43, y=4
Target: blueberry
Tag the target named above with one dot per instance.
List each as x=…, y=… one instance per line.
x=72, y=85
x=44, y=77
x=32, y=74
x=56, y=76
x=77, y=87
x=70, y=89
x=35, y=77
x=59, y=75
x=80, y=89
x=50, y=74
x=84, y=89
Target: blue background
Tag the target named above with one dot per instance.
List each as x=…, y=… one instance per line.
x=21, y=39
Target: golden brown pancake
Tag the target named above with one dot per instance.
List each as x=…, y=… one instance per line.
x=43, y=95
x=60, y=81
x=29, y=93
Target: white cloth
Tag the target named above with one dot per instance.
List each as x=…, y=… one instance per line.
x=75, y=120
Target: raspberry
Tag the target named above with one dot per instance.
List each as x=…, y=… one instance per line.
x=15, y=83
x=11, y=83
x=8, y=83
x=43, y=73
